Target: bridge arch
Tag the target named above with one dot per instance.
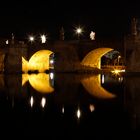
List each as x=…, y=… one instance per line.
x=41, y=82
x=93, y=86
x=39, y=61
x=93, y=58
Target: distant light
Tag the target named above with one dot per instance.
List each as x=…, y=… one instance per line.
x=43, y=102
x=122, y=70
x=120, y=79
x=63, y=110
x=31, y=38
x=78, y=113
x=7, y=42
x=43, y=39
x=116, y=71
x=103, y=79
x=52, y=75
x=51, y=61
x=78, y=30
x=92, y=35
x=119, y=56
x=31, y=101
x=91, y=107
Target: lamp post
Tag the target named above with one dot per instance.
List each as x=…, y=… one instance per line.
x=31, y=39
x=79, y=32
x=119, y=59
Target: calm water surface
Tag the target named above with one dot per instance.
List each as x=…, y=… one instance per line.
x=69, y=106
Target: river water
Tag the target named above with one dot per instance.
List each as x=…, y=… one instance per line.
x=69, y=106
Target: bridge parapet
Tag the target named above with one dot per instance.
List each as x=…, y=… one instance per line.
x=132, y=53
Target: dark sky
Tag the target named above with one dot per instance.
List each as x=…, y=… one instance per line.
x=36, y=17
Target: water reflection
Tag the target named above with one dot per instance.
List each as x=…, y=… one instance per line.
x=70, y=104
x=93, y=86
x=91, y=107
x=41, y=82
x=103, y=79
x=63, y=110
x=132, y=99
x=31, y=101
x=78, y=113
x=43, y=102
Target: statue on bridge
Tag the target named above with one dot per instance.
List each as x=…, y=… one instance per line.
x=62, y=34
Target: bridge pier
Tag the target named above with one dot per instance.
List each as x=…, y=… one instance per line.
x=132, y=53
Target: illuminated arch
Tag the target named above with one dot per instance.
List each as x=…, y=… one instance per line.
x=40, y=82
x=38, y=61
x=24, y=65
x=93, y=86
x=93, y=58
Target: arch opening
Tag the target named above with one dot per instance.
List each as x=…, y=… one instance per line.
x=93, y=58
x=101, y=58
x=40, y=61
x=112, y=59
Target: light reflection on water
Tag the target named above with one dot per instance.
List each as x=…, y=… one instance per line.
x=41, y=82
x=94, y=100
x=64, y=86
x=93, y=86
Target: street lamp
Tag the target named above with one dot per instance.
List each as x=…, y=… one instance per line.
x=119, y=59
x=79, y=31
x=31, y=38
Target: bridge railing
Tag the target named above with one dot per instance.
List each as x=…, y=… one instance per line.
x=113, y=67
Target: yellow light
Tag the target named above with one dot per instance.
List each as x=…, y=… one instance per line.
x=93, y=58
x=40, y=82
x=93, y=86
x=43, y=102
x=24, y=65
x=40, y=60
x=119, y=79
x=43, y=39
x=25, y=78
x=116, y=71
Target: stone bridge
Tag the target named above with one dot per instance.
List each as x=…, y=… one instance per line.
x=69, y=55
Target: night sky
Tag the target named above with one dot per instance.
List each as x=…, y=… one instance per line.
x=37, y=17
